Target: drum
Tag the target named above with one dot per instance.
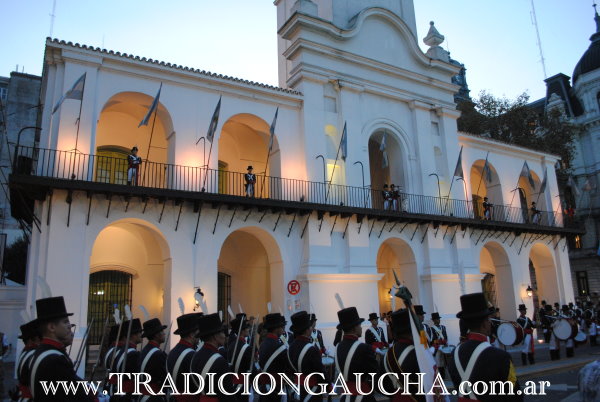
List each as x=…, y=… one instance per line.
x=510, y=333
x=580, y=338
x=564, y=329
x=328, y=365
x=447, y=354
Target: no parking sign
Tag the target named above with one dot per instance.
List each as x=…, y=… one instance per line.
x=293, y=287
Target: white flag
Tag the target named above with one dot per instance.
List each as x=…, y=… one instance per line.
x=272, y=130
x=76, y=92
x=527, y=173
x=152, y=108
x=382, y=148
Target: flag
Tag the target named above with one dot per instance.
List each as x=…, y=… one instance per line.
x=76, y=92
x=527, y=173
x=152, y=108
x=571, y=183
x=544, y=181
x=212, y=128
x=458, y=171
x=385, y=162
x=424, y=357
x=272, y=129
x=344, y=143
x=487, y=172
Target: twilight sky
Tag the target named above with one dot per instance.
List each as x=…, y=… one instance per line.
x=496, y=40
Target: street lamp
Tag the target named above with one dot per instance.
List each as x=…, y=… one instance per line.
x=19, y=142
x=529, y=291
x=324, y=174
x=438, y=184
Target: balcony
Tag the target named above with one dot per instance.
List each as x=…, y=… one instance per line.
x=38, y=171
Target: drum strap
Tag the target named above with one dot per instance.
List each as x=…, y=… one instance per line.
x=277, y=352
x=439, y=331
x=466, y=374
x=375, y=333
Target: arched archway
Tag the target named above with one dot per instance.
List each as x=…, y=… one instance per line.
x=387, y=164
x=494, y=261
x=544, y=280
x=486, y=184
x=244, y=141
x=396, y=255
x=251, y=259
x=132, y=256
x=117, y=132
x=528, y=194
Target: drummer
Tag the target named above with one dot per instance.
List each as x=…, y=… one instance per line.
x=495, y=324
x=547, y=322
x=570, y=343
x=528, y=351
x=374, y=335
x=439, y=338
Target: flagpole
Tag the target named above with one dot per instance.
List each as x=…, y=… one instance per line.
x=483, y=172
x=78, y=124
x=265, y=175
x=271, y=139
x=207, y=165
x=149, y=143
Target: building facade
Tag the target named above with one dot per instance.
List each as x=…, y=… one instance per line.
x=317, y=217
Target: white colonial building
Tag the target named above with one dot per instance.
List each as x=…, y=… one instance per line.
x=98, y=241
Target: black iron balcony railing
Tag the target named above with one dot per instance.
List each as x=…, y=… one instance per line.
x=70, y=165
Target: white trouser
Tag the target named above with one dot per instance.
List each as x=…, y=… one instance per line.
x=386, y=204
x=554, y=345
x=250, y=189
x=132, y=175
x=527, y=344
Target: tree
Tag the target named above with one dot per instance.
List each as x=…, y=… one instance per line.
x=15, y=260
x=520, y=123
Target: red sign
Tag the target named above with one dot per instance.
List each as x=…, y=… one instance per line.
x=293, y=287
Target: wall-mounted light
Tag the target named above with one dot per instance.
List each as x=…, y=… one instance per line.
x=529, y=291
x=197, y=297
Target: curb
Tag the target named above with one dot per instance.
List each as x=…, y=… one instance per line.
x=550, y=368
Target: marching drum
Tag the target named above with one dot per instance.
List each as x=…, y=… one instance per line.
x=447, y=352
x=580, y=338
x=564, y=329
x=510, y=333
x=328, y=365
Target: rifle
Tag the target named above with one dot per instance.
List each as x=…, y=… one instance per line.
x=237, y=339
x=81, y=350
x=168, y=335
x=126, y=346
x=100, y=351
x=253, y=343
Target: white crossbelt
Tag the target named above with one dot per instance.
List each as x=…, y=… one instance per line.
x=39, y=359
x=466, y=374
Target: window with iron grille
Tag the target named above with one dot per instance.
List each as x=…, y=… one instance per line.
x=108, y=289
x=224, y=294
x=582, y=283
x=112, y=164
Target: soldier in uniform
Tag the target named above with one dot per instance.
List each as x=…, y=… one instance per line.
x=401, y=358
x=570, y=343
x=546, y=322
x=535, y=214
x=133, y=171
x=353, y=357
x=528, y=343
x=374, y=335
x=180, y=357
x=317, y=336
x=240, y=351
x=394, y=196
x=250, y=179
x=421, y=314
x=50, y=361
x=208, y=360
x=234, y=329
x=487, y=209
x=273, y=355
x=475, y=359
x=495, y=324
x=153, y=359
x=132, y=365
x=387, y=197
x=303, y=356
x=30, y=335
x=439, y=338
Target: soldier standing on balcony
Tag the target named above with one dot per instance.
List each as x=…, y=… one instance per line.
x=395, y=196
x=387, y=197
x=250, y=179
x=133, y=171
x=535, y=214
x=487, y=209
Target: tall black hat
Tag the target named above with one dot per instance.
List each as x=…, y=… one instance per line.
x=134, y=149
x=385, y=186
x=51, y=308
x=565, y=307
x=186, y=323
x=435, y=316
x=348, y=318
x=401, y=321
x=29, y=330
x=136, y=326
x=209, y=324
x=313, y=317
x=249, y=167
x=548, y=307
x=152, y=327
x=112, y=334
x=300, y=322
x=235, y=323
x=522, y=307
x=274, y=320
x=419, y=309
x=474, y=306
x=373, y=316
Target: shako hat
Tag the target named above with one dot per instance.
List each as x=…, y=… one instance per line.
x=300, y=322
x=152, y=327
x=274, y=320
x=209, y=324
x=473, y=306
x=51, y=308
x=401, y=321
x=349, y=318
x=29, y=330
x=419, y=309
x=186, y=323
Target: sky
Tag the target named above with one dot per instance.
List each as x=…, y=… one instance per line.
x=496, y=40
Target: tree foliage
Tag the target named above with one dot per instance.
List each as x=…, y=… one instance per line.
x=15, y=260
x=520, y=123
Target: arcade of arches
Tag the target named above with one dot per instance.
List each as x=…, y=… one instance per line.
x=396, y=254
x=382, y=172
x=485, y=185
